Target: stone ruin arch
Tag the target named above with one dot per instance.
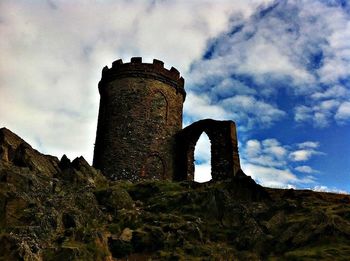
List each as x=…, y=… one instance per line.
x=224, y=150
x=141, y=112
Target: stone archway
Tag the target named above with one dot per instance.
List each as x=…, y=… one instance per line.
x=224, y=150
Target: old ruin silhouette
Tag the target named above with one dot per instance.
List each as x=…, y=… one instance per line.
x=139, y=132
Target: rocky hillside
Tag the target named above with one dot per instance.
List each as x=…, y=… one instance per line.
x=53, y=209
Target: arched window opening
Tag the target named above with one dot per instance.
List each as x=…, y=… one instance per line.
x=159, y=108
x=202, y=159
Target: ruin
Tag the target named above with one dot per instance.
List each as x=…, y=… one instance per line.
x=139, y=132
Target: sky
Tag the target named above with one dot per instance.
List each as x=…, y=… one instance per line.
x=279, y=69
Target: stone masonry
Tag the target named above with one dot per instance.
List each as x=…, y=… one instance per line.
x=139, y=131
x=224, y=152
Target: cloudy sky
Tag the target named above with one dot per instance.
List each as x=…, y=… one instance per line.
x=279, y=69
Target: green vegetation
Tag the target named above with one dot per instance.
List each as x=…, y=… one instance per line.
x=61, y=210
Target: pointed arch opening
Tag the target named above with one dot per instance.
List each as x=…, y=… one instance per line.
x=202, y=159
x=158, y=107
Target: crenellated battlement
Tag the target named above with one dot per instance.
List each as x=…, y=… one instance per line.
x=135, y=68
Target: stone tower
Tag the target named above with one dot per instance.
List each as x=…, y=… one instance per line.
x=140, y=113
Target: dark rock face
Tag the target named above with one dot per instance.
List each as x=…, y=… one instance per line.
x=75, y=213
x=42, y=200
x=14, y=150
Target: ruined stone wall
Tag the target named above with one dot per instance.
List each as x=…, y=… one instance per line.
x=224, y=150
x=140, y=113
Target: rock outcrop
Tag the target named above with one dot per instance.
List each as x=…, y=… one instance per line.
x=54, y=209
x=15, y=151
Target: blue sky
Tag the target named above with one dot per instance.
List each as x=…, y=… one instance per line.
x=279, y=69
x=283, y=76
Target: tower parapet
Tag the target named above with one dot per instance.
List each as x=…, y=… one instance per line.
x=135, y=68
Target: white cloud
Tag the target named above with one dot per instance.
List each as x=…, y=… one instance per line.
x=329, y=190
x=268, y=152
x=267, y=161
x=265, y=57
x=202, y=157
x=229, y=87
x=300, y=45
x=253, y=148
x=303, y=155
x=302, y=113
x=328, y=105
x=199, y=106
x=258, y=48
x=308, y=144
x=202, y=172
x=320, y=114
x=300, y=155
x=336, y=63
x=52, y=54
x=336, y=91
x=343, y=112
x=270, y=163
x=275, y=177
x=306, y=169
x=202, y=152
x=273, y=147
x=249, y=111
